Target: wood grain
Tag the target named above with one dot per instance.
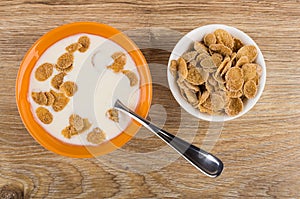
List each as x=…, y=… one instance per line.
x=261, y=150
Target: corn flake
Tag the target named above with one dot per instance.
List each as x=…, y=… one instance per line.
x=50, y=98
x=119, y=62
x=217, y=59
x=200, y=48
x=65, y=61
x=220, y=48
x=86, y=124
x=173, y=68
x=189, y=56
x=69, y=88
x=190, y=86
x=207, y=103
x=44, y=71
x=249, y=51
x=237, y=44
x=234, y=74
x=250, y=89
x=201, y=56
x=223, y=37
x=85, y=43
x=209, y=88
x=249, y=71
x=235, y=85
x=222, y=65
x=76, y=121
x=204, y=74
x=39, y=98
x=113, y=115
x=222, y=86
x=182, y=68
x=203, y=97
x=57, y=80
x=131, y=76
x=218, y=78
x=208, y=63
x=69, y=131
x=243, y=60
x=234, y=94
x=226, y=67
x=60, y=101
x=258, y=70
x=256, y=79
x=194, y=76
x=116, y=67
x=73, y=47
x=119, y=58
x=205, y=110
x=97, y=136
x=209, y=39
x=212, y=81
x=218, y=102
x=44, y=115
x=191, y=96
x=234, y=106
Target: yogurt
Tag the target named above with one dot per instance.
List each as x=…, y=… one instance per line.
x=98, y=88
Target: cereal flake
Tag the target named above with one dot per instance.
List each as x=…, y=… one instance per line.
x=173, y=68
x=97, y=136
x=44, y=71
x=194, y=76
x=57, y=80
x=44, y=115
x=64, y=61
x=209, y=39
x=250, y=89
x=60, y=101
x=69, y=88
x=76, y=121
x=234, y=106
x=249, y=51
x=182, y=68
x=39, y=98
x=223, y=37
x=113, y=115
x=133, y=79
x=73, y=47
x=85, y=43
x=220, y=48
x=249, y=71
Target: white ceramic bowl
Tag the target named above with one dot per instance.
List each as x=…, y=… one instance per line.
x=197, y=35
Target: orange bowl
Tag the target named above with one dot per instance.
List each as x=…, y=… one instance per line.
x=23, y=80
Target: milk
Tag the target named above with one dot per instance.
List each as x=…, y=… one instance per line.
x=98, y=88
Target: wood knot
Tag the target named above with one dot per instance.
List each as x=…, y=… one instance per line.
x=11, y=192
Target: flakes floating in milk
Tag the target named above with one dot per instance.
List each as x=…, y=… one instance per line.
x=96, y=136
x=44, y=115
x=44, y=71
x=133, y=79
x=69, y=88
x=84, y=41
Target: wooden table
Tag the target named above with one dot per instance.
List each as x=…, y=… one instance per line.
x=260, y=150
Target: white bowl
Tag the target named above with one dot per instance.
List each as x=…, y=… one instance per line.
x=197, y=35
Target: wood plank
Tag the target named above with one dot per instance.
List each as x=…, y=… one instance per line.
x=260, y=150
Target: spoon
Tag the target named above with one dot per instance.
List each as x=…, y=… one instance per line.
x=202, y=160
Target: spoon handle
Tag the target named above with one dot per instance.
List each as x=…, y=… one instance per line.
x=202, y=160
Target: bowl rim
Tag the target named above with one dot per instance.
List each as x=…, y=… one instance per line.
x=23, y=79
x=204, y=30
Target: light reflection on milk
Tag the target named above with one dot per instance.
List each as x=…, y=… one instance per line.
x=98, y=88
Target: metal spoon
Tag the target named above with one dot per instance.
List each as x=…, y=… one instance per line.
x=202, y=160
